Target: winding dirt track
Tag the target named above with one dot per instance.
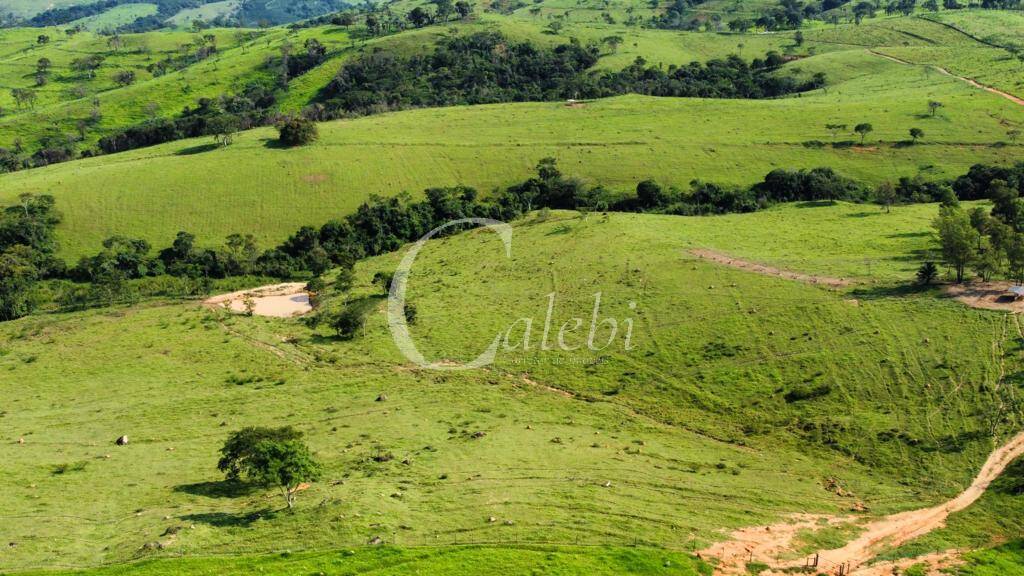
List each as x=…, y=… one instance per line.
x=764, y=544
x=727, y=260
x=1015, y=99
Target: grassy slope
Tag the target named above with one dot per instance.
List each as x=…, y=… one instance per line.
x=115, y=17
x=29, y=8
x=59, y=108
x=205, y=13
x=693, y=439
x=461, y=561
x=617, y=142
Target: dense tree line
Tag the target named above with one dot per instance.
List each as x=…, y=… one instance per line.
x=66, y=15
x=986, y=242
x=384, y=224
x=220, y=117
x=486, y=67
x=27, y=247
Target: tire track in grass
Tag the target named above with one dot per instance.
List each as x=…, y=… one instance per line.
x=1012, y=98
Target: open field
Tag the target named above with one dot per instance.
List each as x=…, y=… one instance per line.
x=661, y=385
x=690, y=430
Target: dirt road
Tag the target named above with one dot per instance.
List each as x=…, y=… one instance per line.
x=721, y=258
x=764, y=544
x=971, y=81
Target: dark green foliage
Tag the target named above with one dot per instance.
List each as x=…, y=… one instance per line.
x=807, y=392
x=240, y=446
x=350, y=321
x=297, y=131
x=383, y=281
x=282, y=463
x=487, y=67
x=210, y=117
x=808, y=185
x=927, y=274
x=651, y=195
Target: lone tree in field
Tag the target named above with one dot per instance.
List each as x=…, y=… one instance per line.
x=835, y=129
x=933, y=106
x=43, y=65
x=297, y=131
x=916, y=134
x=285, y=465
x=863, y=129
x=124, y=77
x=238, y=448
x=612, y=42
x=224, y=128
x=272, y=458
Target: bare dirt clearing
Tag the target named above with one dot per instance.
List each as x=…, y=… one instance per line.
x=986, y=295
x=721, y=258
x=275, y=301
x=766, y=543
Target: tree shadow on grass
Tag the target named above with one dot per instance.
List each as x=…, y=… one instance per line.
x=895, y=291
x=217, y=489
x=274, y=144
x=199, y=149
x=228, y=519
x=815, y=203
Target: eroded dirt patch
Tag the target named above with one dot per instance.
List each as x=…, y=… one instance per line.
x=767, y=543
x=986, y=295
x=276, y=301
x=727, y=260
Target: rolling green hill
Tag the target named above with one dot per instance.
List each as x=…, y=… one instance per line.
x=737, y=399
x=250, y=187
x=690, y=432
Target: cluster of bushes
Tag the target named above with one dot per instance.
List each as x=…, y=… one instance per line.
x=202, y=48
x=486, y=67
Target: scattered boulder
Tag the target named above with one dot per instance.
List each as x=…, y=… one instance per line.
x=509, y=523
x=382, y=397
x=608, y=484
x=376, y=541
x=479, y=434
x=21, y=440
x=121, y=441
x=492, y=519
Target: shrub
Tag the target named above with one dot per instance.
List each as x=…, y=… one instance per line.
x=297, y=131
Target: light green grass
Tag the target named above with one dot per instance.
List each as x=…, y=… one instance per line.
x=29, y=8
x=204, y=13
x=523, y=560
x=116, y=17
x=153, y=193
x=690, y=428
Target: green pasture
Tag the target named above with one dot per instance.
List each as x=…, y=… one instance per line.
x=254, y=188
x=664, y=444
